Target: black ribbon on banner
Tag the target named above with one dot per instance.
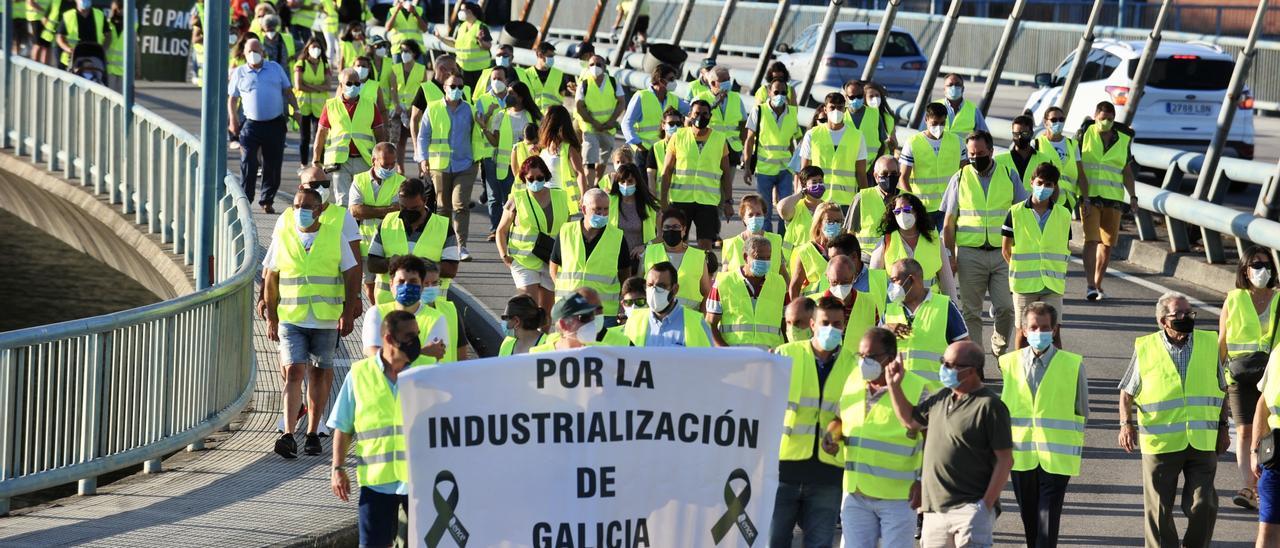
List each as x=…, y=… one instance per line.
x=445, y=518
x=737, y=512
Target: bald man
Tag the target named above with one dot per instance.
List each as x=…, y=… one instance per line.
x=968, y=459
x=573, y=259
x=263, y=88
x=868, y=208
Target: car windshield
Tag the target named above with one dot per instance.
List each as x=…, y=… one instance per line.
x=859, y=42
x=1188, y=73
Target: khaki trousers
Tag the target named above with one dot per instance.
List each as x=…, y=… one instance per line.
x=1199, y=499
x=982, y=273
x=453, y=196
x=1023, y=300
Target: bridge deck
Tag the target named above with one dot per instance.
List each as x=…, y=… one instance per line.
x=239, y=493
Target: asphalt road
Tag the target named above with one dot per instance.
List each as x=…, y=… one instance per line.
x=1104, y=505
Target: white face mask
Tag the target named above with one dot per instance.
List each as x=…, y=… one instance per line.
x=253, y=58
x=658, y=298
x=936, y=131
x=380, y=52
x=841, y=291
x=596, y=71
x=873, y=102
x=407, y=56
x=870, y=369
x=271, y=35
x=835, y=116
x=464, y=15
x=587, y=333
x=896, y=292
x=1259, y=276
x=498, y=86
x=352, y=92
x=314, y=52
x=905, y=220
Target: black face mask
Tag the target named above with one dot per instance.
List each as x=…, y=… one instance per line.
x=1023, y=142
x=672, y=237
x=1183, y=325
x=981, y=163
x=888, y=184
x=411, y=349
x=410, y=216
x=702, y=122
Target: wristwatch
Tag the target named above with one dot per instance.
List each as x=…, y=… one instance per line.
x=339, y=469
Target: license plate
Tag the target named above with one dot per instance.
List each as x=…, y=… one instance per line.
x=1195, y=109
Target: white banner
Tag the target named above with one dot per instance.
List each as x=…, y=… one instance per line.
x=603, y=447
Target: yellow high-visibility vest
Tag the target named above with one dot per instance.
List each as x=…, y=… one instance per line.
x=810, y=409
x=751, y=322
x=697, y=171
x=395, y=242
x=922, y=350
x=379, y=427
x=1174, y=413
x=1245, y=333
x=1047, y=432
x=931, y=171
x=695, y=327
x=310, y=279
x=345, y=130
x=880, y=460
x=839, y=163
x=599, y=270
x=1039, y=259
x=1105, y=166
x=688, y=274
x=981, y=214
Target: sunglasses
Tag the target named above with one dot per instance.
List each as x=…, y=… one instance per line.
x=903, y=209
x=1057, y=120
x=1260, y=265
x=1018, y=134
x=956, y=365
x=892, y=175
x=542, y=179
x=638, y=302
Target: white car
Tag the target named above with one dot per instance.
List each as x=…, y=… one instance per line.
x=1180, y=105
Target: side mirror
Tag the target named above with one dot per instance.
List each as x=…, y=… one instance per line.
x=785, y=48
x=1044, y=80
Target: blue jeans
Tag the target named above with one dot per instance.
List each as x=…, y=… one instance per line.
x=815, y=507
x=765, y=185
x=496, y=190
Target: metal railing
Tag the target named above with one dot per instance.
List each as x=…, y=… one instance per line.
x=1038, y=46
x=82, y=398
x=1180, y=212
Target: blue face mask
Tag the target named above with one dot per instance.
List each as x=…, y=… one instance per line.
x=305, y=218
x=455, y=94
x=536, y=186
x=429, y=294
x=1041, y=193
x=759, y=267
x=831, y=230
x=856, y=104
x=1056, y=127
x=755, y=224
x=599, y=221
x=508, y=331
x=950, y=377
x=384, y=173
x=827, y=337
x=626, y=190
x=954, y=92
x=408, y=294
x=1040, y=340
x=778, y=100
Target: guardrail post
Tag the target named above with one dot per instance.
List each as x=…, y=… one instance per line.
x=213, y=156
x=1002, y=55
x=595, y=21
x=935, y=63
x=628, y=32
x=8, y=388
x=6, y=69
x=882, y=38
x=1139, y=85
x=1077, y=61
x=820, y=49
x=1268, y=196
x=770, y=42
x=722, y=25
x=682, y=21
x=547, y=16
x=524, y=11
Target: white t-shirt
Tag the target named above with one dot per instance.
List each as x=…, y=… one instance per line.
x=371, y=330
x=907, y=157
x=836, y=136
x=346, y=261
x=552, y=159
x=581, y=94
x=519, y=120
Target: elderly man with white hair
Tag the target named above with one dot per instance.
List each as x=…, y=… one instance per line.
x=869, y=204
x=350, y=125
x=590, y=253
x=1181, y=427
x=263, y=88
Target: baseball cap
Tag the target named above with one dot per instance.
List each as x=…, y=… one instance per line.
x=708, y=63
x=572, y=305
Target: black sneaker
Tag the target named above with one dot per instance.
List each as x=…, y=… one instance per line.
x=287, y=447
x=312, y=445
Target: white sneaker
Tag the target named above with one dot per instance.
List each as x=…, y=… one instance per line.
x=464, y=255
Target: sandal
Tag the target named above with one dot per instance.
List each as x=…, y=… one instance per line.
x=1246, y=498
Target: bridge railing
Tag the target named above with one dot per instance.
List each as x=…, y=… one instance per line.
x=1040, y=46
x=82, y=398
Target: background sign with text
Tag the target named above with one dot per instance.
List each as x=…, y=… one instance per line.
x=164, y=39
x=627, y=447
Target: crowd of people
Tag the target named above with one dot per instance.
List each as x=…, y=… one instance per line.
x=864, y=260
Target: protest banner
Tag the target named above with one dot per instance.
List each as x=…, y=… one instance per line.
x=600, y=447
x=164, y=39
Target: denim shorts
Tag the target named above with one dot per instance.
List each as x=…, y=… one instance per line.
x=307, y=345
x=380, y=516
x=1269, y=496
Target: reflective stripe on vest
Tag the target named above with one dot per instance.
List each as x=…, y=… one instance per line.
x=599, y=270
x=931, y=171
x=695, y=331
x=545, y=94
x=1173, y=413
x=530, y=221
x=1039, y=259
x=839, y=163
x=438, y=149
x=1245, y=333
x=1068, y=169
x=745, y=322
x=871, y=208
x=697, y=172
x=927, y=253
x=811, y=407
x=773, y=141
x=601, y=100
x=395, y=242
x=345, y=130
x=379, y=439
x=650, y=126
x=879, y=459
x=922, y=350
x=388, y=192
x=981, y=213
x=310, y=278
x=688, y=274
x=1046, y=430
x=471, y=55
x=1105, y=166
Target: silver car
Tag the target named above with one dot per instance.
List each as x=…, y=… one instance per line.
x=900, y=70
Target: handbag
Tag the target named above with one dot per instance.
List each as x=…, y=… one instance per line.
x=1266, y=451
x=1248, y=368
x=543, y=243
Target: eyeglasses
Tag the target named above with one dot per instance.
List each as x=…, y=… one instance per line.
x=1056, y=120
x=955, y=365
x=541, y=179
x=1020, y=134
x=903, y=209
x=449, y=86
x=892, y=175
x=639, y=302
x=1181, y=315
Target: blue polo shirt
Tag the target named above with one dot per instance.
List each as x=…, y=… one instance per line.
x=460, y=156
x=261, y=90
